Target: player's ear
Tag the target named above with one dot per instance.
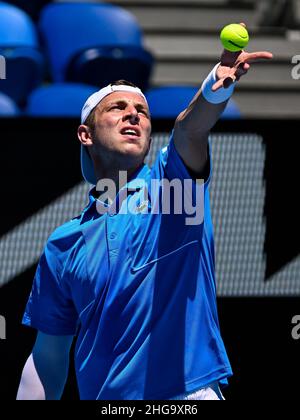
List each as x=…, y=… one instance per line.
x=84, y=134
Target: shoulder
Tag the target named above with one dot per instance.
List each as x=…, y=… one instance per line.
x=64, y=239
x=170, y=164
x=66, y=233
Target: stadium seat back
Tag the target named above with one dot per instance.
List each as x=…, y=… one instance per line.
x=59, y=100
x=24, y=72
x=16, y=28
x=168, y=101
x=8, y=107
x=24, y=64
x=70, y=28
x=31, y=7
x=100, y=66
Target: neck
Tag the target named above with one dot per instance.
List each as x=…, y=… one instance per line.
x=117, y=176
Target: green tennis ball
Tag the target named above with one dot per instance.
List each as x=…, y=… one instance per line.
x=234, y=37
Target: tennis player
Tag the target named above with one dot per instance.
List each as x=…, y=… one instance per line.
x=136, y=287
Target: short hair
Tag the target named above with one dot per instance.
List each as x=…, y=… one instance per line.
x=90, y=121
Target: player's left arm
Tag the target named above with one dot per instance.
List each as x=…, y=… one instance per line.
x=193, y=125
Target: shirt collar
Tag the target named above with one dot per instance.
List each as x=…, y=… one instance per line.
x=135, y=183
x=137, y=179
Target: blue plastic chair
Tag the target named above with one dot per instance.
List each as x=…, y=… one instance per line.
x=16, y=28
x=103, y=65
x=232, y=111
x=24, y=71
x=19, y=47
x=79, y=33
x=168, y=101
x=59, y=100
x=31, y=7
x=8, y=107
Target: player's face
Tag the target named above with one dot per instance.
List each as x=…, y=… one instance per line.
x=123, y=126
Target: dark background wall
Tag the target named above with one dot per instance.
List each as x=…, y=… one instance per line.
x=40, y=163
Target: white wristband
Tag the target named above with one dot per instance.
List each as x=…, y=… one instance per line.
x=220, y=95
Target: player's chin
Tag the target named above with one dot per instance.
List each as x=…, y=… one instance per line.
x=134, y=149
x=133, y=157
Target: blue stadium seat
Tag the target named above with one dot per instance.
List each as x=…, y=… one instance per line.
x=16, y=28
x=91, y=36
x=19, y=47
x=8, y=108
x=24, y=71
x=102, y=65
x=31, y=7
x=168, y=101
x=232, y=111
x=59, y=100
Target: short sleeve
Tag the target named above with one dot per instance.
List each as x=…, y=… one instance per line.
x=177, y=191
x=173, y=165
x=50, y=308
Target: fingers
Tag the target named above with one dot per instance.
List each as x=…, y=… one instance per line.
x=250, y=57
x=218, y=85
x=235, y=77
x=224, y=83
x=241, y=70
x=228, y=81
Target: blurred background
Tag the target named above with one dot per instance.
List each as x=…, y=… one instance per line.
x=53, y=55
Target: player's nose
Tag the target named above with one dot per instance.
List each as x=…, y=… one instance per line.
x=132, y=115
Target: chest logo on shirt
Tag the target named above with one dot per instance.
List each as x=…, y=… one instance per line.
x=142, y=206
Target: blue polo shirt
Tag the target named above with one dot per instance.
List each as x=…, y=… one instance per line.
x=138, y=288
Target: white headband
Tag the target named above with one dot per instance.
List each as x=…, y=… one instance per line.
x=97, y=97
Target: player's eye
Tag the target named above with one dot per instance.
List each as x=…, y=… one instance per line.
x=142, y=111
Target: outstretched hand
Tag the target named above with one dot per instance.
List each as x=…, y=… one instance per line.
x=236, y=64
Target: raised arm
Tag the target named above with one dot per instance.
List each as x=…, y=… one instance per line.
x=46, y=370
x=193, y=125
